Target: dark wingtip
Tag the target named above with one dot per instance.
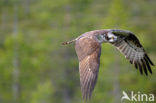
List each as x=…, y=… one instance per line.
x=153, y=64
x=148, y=65
x=136, y=66
x=144, y=67
x=149, y=60
x=140, y=68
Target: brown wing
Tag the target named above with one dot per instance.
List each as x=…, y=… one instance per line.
x=134, y=52
x=88, y=52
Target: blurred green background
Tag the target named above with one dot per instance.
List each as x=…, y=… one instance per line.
x=36, y=68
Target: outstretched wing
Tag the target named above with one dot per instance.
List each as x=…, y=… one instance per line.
x=88, y=52
x=128, y=44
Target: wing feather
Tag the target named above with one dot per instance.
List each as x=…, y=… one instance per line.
x=144, y=66
x=88, y=52
x=140, y=68
x=134, y=52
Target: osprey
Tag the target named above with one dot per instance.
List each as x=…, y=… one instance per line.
x=88, y=50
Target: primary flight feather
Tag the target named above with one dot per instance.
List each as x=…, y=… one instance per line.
x=88, y=50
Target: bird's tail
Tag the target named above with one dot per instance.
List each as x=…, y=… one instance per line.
x=68, y=42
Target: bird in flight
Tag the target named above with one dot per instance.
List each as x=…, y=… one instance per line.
x=88, y=50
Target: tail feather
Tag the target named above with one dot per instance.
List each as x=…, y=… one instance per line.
x=68, y=42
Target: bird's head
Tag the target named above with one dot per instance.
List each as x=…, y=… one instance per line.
x=110, y=37
x=107, y=37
